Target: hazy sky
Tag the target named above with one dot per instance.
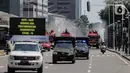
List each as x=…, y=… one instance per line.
x=96, y=6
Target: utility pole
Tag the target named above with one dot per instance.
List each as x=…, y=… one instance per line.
x=114, y=26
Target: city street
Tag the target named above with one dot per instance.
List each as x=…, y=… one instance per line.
x=98, y=63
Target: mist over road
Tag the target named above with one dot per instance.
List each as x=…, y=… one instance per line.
x=60, y=24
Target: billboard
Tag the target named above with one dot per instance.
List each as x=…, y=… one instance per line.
x=27, y=26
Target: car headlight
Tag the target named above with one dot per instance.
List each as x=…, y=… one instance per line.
x=71, y=53
x=11, y=57
x=37, y=57
x=54, y=52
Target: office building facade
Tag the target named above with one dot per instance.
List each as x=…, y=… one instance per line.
x=68, y=8
x=25, y=8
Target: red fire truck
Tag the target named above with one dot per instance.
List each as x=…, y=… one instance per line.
x=94, y=39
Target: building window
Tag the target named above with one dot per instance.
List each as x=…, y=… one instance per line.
x=65, y=7
x=1, y=2
x=63, y=0
x=39, y=10
x=61, y=3
x=50, y=3
x=27, y=9
x=59, y=8
x=54, y=11
x=64, y=12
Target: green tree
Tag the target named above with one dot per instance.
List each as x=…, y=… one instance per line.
x=82, y=23
x=104, y=13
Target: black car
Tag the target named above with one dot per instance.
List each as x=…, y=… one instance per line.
x=81, y=48
x=64, y=49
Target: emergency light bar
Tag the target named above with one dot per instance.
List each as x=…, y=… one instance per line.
x=64, y=41
x=80, y=41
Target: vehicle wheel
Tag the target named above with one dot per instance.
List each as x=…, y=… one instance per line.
x=48, y=49
x=103, y=52
x=54, y=61
x=87, y=57
x=73, y=61
x=11, y=70
x=97, y=47
x=40, y=70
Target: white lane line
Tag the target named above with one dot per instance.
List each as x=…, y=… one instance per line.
x=89, y=71
x=91, y=58
x=51, y=64
x=92, y=55
x=108, y=55
x=90, y=64
x=123, y=60
x=1, y=66
x=46, y=67
x=89, y=67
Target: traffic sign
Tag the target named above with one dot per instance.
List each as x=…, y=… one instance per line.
x=119, y=9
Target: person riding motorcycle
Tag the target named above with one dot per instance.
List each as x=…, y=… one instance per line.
x=103, y=48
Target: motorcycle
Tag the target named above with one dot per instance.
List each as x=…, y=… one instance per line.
x=103, y=49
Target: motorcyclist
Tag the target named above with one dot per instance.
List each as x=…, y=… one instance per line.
x=103, y=47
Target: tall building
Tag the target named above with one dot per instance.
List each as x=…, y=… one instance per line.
x=25, y=8
x=68, y=8
x=78, y=8
x=4, y=5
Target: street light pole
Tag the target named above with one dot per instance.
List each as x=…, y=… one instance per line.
x=28, y=8
x=114, y=26
x=128, y=34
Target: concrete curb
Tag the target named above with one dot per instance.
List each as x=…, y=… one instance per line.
x=119, y=54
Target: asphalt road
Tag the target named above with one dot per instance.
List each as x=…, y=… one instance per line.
x=98, y=63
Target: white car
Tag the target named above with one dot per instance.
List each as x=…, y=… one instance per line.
x=25, y=56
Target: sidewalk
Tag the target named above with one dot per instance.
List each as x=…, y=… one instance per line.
x=120, y=53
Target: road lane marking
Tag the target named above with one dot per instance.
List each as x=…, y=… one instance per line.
x=90, y=64
x=102, y=55
x=1, y=66
x=91, y=58
x=123, y=60
x=46, y=67
x=108, y=55
x=89, y=71
x=113, y=55
x=92, y=55
x=90, y=67
x=51, y=64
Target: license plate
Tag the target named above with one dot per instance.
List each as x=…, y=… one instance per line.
x=24, y=62
x=62, y=57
